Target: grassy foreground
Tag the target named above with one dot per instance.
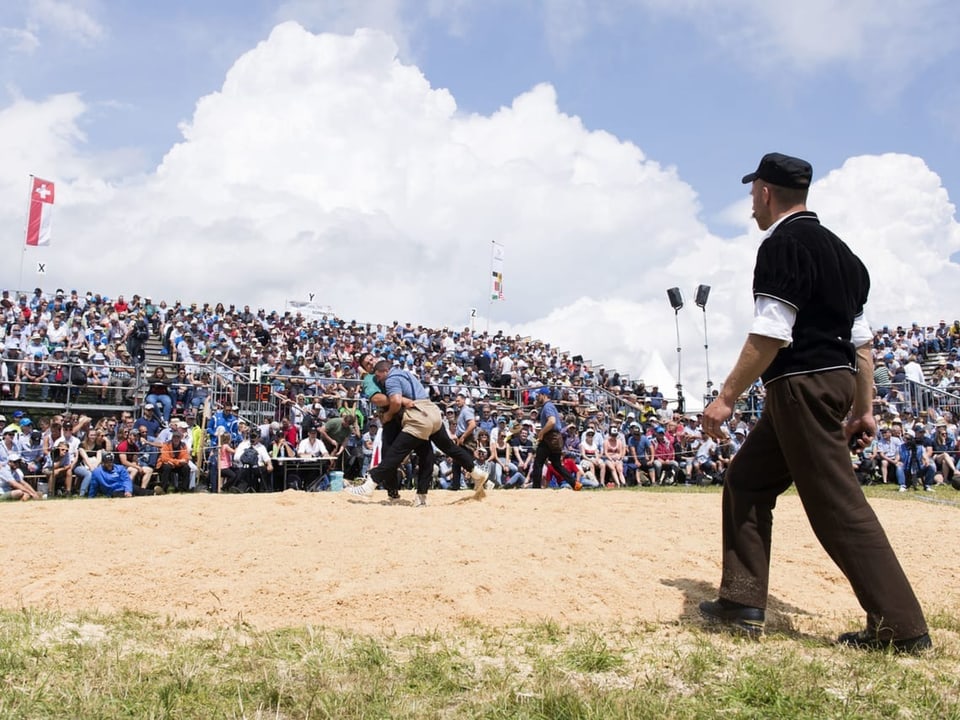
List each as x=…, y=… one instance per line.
x=139, y=666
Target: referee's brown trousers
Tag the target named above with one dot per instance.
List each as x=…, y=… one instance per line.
x=799, y=438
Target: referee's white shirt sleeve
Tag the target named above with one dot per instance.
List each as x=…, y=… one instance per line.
x=774, y=319
x=861, y=332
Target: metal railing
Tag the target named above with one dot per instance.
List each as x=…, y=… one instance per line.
x=67, y=383
x=919, y=398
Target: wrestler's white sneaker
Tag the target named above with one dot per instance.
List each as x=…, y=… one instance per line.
x=478, y=476
x=420, y=500
x=365, y=489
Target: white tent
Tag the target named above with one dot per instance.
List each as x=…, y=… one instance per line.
x=655, y=372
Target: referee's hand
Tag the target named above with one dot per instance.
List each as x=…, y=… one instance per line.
x=714, y=416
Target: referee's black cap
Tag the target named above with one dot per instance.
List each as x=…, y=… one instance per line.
x=782, y=170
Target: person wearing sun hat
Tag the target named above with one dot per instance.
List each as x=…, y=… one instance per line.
x=614, y=451
x=10, y=443
x=811, y=345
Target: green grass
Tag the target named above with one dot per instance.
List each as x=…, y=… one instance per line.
x=132, y=665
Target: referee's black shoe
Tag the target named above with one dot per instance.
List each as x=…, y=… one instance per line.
x=742, y=617
x=871, y=640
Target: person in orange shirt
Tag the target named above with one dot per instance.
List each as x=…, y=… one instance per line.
x=174, y=464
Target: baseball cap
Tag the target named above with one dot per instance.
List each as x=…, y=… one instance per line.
x=148, y=406
x=13, y=457
x=107, y=457
x=782, y=170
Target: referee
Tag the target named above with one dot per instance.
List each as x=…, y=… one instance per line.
x=810, y=344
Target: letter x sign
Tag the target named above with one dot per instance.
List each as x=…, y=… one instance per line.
x=41, y=268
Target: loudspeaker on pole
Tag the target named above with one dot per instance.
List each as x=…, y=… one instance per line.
x=676, y=298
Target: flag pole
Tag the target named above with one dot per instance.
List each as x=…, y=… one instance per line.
x=493, y=244
x=496, y=277
x=26, y=223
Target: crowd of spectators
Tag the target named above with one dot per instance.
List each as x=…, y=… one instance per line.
x=88, y=343
x=64, y=454
x=917, y=403
x=618, y=431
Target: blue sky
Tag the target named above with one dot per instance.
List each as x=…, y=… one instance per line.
x=692, y=93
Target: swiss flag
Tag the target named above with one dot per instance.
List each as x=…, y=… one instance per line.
x=41, y=211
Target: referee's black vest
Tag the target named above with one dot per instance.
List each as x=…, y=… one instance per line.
x=806, y=266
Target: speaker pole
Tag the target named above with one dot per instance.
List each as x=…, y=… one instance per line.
x=703, y=292
x=676, y=302
x=706, y=350
x=676, y=321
